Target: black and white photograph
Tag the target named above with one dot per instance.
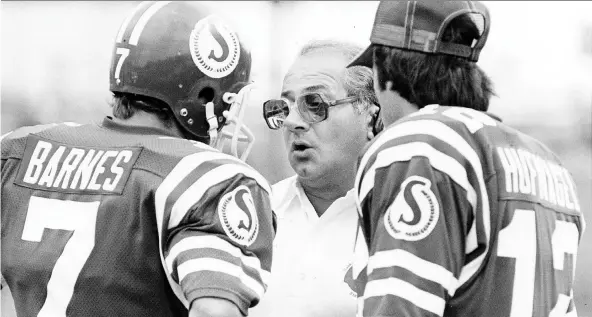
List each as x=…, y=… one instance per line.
x=296, y=158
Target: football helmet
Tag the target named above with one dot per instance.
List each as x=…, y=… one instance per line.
x=183, y=55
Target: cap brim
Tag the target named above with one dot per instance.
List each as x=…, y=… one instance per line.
x=363, y=59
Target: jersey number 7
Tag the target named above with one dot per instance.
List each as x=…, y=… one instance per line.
x=76, y=216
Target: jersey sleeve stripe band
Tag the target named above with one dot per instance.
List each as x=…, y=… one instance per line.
x=418, y=266
x=198, y=242
x=399, y=288
x=215, y=265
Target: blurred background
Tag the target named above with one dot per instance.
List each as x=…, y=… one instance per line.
x=56, y=56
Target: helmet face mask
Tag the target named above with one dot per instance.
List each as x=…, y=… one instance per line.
x=179, y=53
x=234, y=120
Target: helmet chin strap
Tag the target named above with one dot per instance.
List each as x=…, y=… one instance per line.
x=213, y=122
x=235, y=116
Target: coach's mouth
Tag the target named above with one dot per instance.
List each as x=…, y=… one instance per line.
x=300, y=146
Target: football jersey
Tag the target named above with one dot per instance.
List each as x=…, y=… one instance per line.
x=465, y=216
x=112, y=220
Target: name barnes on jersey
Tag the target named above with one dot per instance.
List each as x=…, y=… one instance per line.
x=529, y=174
x=48, y=165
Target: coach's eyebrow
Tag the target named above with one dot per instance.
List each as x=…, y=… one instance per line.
x=288, y=95
x=315, y=88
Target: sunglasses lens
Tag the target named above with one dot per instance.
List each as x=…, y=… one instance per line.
x=275, y=111
x=312, y=107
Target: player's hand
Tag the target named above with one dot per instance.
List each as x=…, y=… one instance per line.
x=213, y=307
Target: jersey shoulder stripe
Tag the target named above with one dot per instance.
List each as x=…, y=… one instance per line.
x=186, y=183
x=443, y=132
x=435, y=129
x=439, y=160
x=192, y=177
x=162, y=198
x=192, y=188
x=207, y=176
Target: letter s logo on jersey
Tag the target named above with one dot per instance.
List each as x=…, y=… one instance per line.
x=214, y=47
x=414, y=213
x=238, y=216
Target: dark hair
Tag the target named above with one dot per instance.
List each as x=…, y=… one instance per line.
x=424, y=78
x=125, y=106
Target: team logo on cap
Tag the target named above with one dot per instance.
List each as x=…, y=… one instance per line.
x=214, y=47
x=414, y=213
x=238, y=216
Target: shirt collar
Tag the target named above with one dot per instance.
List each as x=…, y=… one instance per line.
x=292, y=193
x=110, y=124
x=284, y=192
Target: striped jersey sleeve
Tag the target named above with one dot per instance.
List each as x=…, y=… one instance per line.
x=425, y=217
x=216, y=229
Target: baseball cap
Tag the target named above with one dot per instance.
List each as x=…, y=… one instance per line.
x=419, y=26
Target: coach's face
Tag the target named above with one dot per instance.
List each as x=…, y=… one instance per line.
x=317, y=152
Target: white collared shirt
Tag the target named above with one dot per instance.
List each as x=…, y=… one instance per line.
x=311, y=256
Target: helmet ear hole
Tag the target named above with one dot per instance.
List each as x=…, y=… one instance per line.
x=206, y=95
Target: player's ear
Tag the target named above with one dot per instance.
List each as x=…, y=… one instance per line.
x=372, y=121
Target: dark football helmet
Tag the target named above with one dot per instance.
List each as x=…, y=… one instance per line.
x=181, y=54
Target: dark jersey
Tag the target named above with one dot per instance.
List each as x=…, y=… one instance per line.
x=109, y=220
x=465, y=216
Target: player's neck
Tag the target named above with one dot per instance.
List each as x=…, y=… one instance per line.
x=399, y=107
x=145, y=119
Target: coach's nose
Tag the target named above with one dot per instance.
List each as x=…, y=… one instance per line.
x=294, y=121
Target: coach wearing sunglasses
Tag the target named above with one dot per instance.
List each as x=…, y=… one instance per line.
x=325, y=113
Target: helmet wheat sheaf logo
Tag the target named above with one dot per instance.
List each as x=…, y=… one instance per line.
x=238, y=216
x=215, y=49
x=414, y=213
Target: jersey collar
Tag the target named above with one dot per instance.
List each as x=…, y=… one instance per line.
x=109, y=123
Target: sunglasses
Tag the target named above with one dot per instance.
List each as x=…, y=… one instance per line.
x=311, y=107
